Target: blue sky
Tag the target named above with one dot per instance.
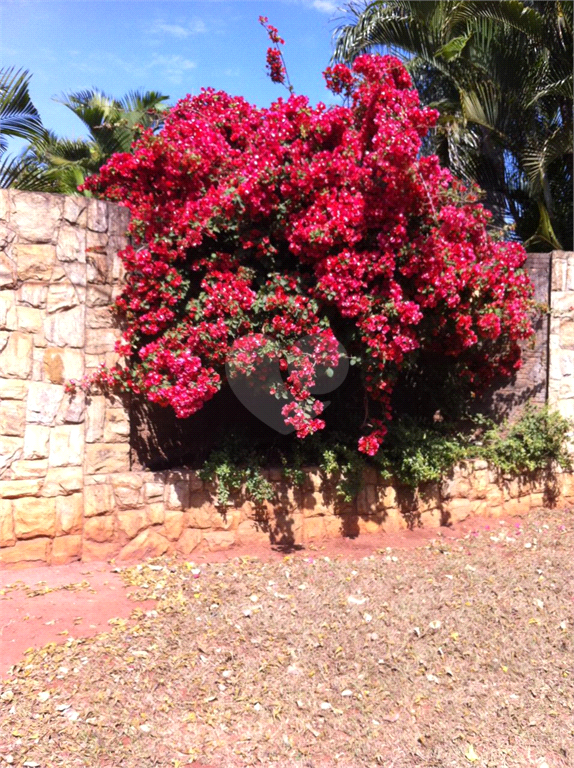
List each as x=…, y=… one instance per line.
x=175, y=47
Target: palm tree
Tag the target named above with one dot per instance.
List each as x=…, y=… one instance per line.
x=500, y=74
x=112, y=127
x=19, y=119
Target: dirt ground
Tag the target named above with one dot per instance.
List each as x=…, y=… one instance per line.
x=78, y=600
x=427, y=649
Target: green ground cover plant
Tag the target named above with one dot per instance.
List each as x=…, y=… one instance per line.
x=415, y=452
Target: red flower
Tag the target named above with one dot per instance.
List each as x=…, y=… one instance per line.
x=254, y=230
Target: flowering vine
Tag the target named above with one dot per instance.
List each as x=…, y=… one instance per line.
x=274, y=224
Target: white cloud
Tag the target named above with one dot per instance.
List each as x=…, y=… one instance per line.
x=326, y=6
x=173, y=67
x=193, y=27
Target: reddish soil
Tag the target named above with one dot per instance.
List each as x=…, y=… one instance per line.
x=33, y=621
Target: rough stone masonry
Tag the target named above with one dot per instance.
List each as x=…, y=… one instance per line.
x=66, y=487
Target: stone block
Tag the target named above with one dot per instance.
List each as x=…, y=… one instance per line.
x=177, y=491
x=99, y=295
x=173, y=524
x=77, y=274
x=313, y=480
x=386, y=497
x=62, y=364
x=35, y=262
x=479, y=483
x=457, y=486
x=100, y=317
x=101, y=340
x=95, y=418
x=225, y=518
x=315, y=504
x=37, y=214
x=153, y=491
x=517, y=507
x=566, y=486
x=34, y=517
x=132, y=521
x=195, y=483
x=201, y=511
x=5, y=204
x=66, y=328
x=98, y=551
x=333, y=526
x=457, y=510
x=62, y=296
x=218, y=540
x=188, y=541
x=62, y=481
x=118, y=220
x=12, y=418
x=107, y=457
x=73, y=408
x=7, y=535
x=148, y=543
x=74, y=206
x=99, y=258
x=127, y=480
x=394, y=521
x=13, y=389
x=369, y=524
x=97, y=215
x=155, y=513
x=24, y=469
x=35, y=550
x=367, y=501
x=128, y=496
x=314, y=528
x=32, y=293
x=67, y=445
x=116, y=426
x=98, y=499
x=567, y=332
x=66, y=549
x=30, y=320
x=431, y=518
x=100, y=528
x=249, y=532
x=8, y=314
x=8, y=273
x=37, y=359
x=71, y=245
x=43, y=402
x=14, y=489
x=558, y=272
x=10, y=450
x=8, y=311
x=16, y=356
x=69, y=513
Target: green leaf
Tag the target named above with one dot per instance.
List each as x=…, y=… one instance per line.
x=453, y=48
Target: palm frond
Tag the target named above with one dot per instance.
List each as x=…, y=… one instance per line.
x=18, y=115
x=18, y=173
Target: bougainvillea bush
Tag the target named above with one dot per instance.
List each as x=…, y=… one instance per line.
x=256, y=228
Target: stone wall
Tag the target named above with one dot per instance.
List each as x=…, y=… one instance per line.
x=67, y=489
x=561, y=339
x=59, y=274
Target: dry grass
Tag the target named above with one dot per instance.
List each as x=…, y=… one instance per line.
x=440, y=657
